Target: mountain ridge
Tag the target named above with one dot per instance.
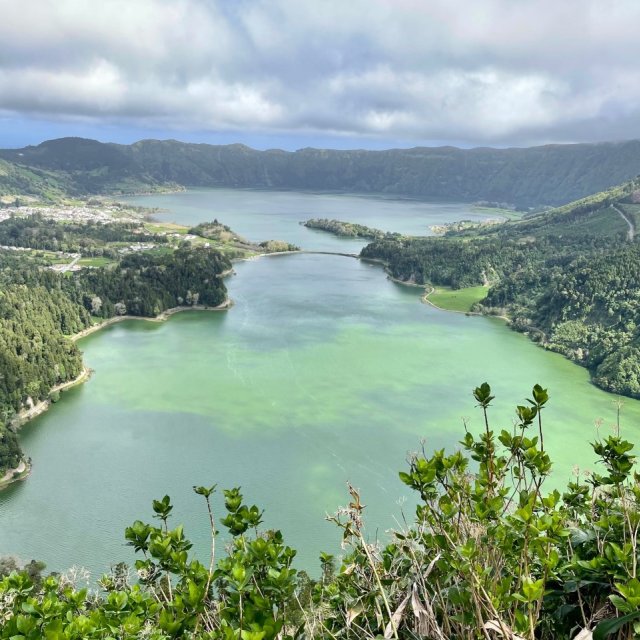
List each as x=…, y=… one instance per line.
x=549, y=175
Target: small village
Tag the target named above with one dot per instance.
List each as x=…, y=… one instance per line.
x=94, y=211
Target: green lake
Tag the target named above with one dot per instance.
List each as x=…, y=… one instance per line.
x=323, y=372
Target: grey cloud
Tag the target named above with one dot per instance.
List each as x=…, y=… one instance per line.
x=499, y=71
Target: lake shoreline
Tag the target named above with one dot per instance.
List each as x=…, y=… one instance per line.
x=161, y=317
x=21, y=472
x=426, y=300
x=27, y=414
x=429, y=289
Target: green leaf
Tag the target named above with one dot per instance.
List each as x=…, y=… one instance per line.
x=483, y=395
x=205, y=491
x=532, y=590
x=607, y=627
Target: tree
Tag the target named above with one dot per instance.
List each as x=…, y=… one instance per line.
x=96, y=305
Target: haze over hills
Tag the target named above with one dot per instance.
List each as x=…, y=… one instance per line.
x=525, y=177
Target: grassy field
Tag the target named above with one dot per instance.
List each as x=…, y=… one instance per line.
x=167, y=227
x=494, y=212
x=98, y=261
x=457, y=299
x=49, y=257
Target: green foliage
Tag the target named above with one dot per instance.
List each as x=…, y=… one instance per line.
x=90, y=238
x=569, y=278
x=18, y=181
x=250, y=595
x=35, y=355
x=40, y=310
x=490, y=555
x=277, y=246
x=10, y=451
x=348, y=229
x=212, y=230
x=36, y=316
x=148, y=284
x=226, y=238
x=73, y=166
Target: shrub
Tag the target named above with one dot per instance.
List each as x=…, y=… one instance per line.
x=491, y=555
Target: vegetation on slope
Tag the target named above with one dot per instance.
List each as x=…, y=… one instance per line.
x=41, y=309
x=129, y=267
x=548, y=175
x=222, y=234
x=146, y=284
x=36, y=314
x=347, y=229
x=490, y=555
x=569, y=277
x=18, y=182
x=77, y=167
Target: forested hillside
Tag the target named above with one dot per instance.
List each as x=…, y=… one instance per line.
x=146, y=284
x=40, y=309
x=530, y=177
x=570, y=278
x=36, y=315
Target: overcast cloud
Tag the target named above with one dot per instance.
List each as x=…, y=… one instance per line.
x=469, y=72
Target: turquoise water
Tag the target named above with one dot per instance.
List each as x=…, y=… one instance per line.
x=323, y=372
x=276, y=215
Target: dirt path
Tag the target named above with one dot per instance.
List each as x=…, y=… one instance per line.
x=7, y=477
x=73, y=263
x=632, y=229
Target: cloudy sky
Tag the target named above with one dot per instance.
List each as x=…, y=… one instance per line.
x=328, y=73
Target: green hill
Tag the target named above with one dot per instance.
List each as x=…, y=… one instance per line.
x=20, y=181
x=570, y=278
x=548, y=175
x=83, y=167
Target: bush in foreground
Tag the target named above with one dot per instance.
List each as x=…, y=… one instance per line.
x=491, y=555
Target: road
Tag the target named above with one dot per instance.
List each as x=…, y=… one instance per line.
x=632, y=229
x=68, y=267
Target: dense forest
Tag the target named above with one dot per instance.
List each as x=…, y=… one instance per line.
x=348, y=229
x=40, y=309
x=146, y=284
x=491, y=554
x=547, y=175
x=37, y=313
x=570, y=278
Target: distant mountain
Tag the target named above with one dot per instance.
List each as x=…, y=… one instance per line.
x=547, y=175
